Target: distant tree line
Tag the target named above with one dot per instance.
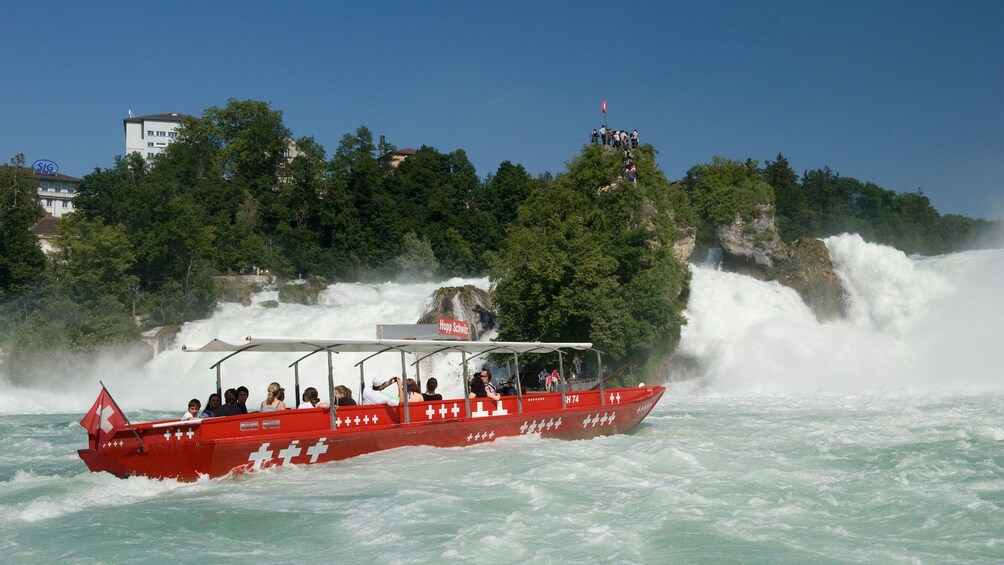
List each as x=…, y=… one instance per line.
x=236, y=191
x=821, y=203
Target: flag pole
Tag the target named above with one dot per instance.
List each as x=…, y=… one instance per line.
x=124, y=417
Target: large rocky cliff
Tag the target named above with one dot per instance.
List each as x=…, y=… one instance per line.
x=752, y=247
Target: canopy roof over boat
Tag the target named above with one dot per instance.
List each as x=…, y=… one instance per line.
x=308, y=345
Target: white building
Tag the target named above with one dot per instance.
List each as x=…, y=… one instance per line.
x=150, y=135
x=56, y=192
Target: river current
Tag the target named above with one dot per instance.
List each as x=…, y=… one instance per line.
x=878, y=438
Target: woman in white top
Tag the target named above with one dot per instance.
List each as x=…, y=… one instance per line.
x=312, y=400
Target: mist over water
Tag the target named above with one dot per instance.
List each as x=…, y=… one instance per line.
x=172, y=377
x=932, y=323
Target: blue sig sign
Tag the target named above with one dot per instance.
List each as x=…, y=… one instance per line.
x=45, y=167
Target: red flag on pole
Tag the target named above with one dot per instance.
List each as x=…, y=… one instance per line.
x=104, y=417
x=604, y=106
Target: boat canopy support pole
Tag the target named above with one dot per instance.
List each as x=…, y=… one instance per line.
x=404, y=384
x=296, y=381
x=362, y=382
x=561, y=375
x=331, y=392
x=519, y=386
x=467, y=389
x=219, y=382
x=599, y=373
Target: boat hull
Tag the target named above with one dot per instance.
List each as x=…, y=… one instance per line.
x=216, y=447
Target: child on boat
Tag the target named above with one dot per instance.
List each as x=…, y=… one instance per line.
x=193, y=410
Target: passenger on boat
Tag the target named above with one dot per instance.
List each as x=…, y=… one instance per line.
x=272, y=400
x=211, y=406
x=481, y=386
x=414, y=393
x=231, y=408
x=486, y=376
x=242, y=398
x=312, y=400
x=430, y=390
x=374, y=396
x=343, y=396
x=193, y=410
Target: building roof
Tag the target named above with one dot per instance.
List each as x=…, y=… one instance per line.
x=58, y=176
x=170, y=117
x=47, y=226
x=405, y=151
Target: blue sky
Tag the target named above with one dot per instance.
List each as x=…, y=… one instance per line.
x=904, y=94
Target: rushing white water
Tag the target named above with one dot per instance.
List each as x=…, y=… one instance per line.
x=873, y=439
x=914, y=323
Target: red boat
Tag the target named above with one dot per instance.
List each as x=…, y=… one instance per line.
x=234, y=444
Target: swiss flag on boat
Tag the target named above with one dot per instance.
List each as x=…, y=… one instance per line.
x=104, y=417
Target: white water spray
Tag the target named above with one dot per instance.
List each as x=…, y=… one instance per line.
x=932, y=323
x=169, y=380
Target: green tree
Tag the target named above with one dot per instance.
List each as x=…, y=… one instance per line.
x=417, y=262
x=21, y=258
x=93, y=261
x=589, y=259
x=794, y=218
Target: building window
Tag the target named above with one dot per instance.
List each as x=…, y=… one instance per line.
x=65, y=203
x=149, y=132
x=172, y=134
x=149, y=144
x=150, y=155
x=161, y=134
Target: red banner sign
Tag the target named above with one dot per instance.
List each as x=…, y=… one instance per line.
x=454, y=328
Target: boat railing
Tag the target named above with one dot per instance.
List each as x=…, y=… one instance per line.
x=421, y=349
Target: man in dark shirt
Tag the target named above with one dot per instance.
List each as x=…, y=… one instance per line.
x=242, y=399
x=231, y=408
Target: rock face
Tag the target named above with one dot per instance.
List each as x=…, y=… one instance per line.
x=165, y=338
x=239, y=288
x=806, y=267
x=753, y=248
x=302, y=292
x=683, y=248
x=749, y=247
x=466, y=303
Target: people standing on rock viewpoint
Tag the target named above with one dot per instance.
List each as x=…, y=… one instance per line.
x=634, y=139
x=594, y=137
x=603, y=134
